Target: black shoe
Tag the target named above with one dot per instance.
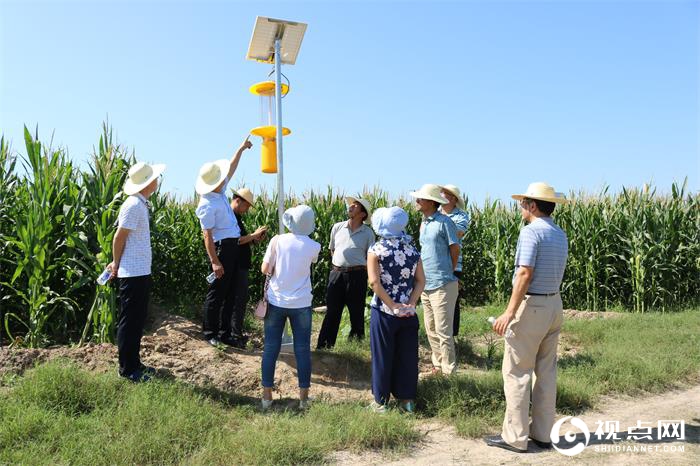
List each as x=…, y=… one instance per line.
x=148, y=370
x=137, y=377
x=541, y=444
x=497, y=441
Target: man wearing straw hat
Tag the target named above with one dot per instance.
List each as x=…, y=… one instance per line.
x=241, y=202
x=131, y=265
x=455, y=210
x=347, y=281
x=221, y=234
x=439, y=252
x=532, y=322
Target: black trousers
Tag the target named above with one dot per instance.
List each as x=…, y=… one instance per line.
x=455, y=322
x=218, y=304
x=240, y=301
x=344, y=289
x=133, y=308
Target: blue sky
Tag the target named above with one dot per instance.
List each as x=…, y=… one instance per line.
x=485, y=95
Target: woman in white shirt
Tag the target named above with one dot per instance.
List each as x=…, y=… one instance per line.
x=288, y=260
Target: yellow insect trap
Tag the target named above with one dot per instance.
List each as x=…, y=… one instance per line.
x=268, y=124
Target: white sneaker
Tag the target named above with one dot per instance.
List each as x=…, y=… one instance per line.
x=266, y=404
x=378, y=408
x=305, y=404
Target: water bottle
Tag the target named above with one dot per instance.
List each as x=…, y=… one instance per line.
x=211, y=277
x=104, y=277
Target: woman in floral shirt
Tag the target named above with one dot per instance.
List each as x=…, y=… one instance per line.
x=396, y=276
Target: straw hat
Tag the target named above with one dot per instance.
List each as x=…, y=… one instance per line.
x=430, y=192
x=542, y=192
x=349, y=200
x=244, y=193
x=211, y=175
x=456, y=192
x=140, y=175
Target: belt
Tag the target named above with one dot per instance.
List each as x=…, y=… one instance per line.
x=542, y=294
x=226, y=241
x=349, y=269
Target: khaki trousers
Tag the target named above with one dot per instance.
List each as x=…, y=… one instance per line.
x=438, y=316
x=530, y=369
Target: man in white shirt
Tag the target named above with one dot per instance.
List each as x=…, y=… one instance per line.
x=131, y=265
x=221, y=235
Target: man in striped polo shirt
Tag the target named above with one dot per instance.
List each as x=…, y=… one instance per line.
x=532, y=322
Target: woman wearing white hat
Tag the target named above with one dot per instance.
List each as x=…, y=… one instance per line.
x=455, y=210
x=533, y=321
x=131, y=265
x=221, y=234
x=288, y=261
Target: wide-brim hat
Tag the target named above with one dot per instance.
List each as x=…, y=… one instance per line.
x=141, y=175
x=244, y=193
x=542, y=192
x=430, y=192
x=456, y=192
x=211, y=175
x=365, y=204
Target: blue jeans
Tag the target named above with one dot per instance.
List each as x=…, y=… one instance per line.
x=300, y=320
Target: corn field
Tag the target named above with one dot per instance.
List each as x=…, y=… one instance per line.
x=634, y=250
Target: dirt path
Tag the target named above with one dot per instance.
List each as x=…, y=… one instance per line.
x=442, y=446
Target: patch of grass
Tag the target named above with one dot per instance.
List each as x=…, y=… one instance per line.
x=58, y=413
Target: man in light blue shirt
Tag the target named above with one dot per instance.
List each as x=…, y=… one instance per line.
x=439, y=253
x=455, y=210
x=221, y=234
x=531, y=324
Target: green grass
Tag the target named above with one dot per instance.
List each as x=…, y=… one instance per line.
x=58, y=413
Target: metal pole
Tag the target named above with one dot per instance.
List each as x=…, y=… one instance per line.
x=278, y=102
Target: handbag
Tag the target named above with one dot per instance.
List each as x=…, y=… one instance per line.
x=261, y=308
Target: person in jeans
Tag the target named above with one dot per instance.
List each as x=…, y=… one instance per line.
x=396, y=277
x=221, y=234
x=131, y=265
x=454, y=208
x=241, y=202
x=347, y=280
x=439, y=252
x=532, y=323
x=288, y=260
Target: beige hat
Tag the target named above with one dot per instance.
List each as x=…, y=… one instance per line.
x=365, y=203
x=244, y=193
x=140, y=175
x=430, y=192
x=455, y=191
x=211, y=175
x=542, y=192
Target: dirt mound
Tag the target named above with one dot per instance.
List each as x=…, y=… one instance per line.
x=175, y=347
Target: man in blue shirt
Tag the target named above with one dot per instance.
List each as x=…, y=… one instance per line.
x=439, y=252
x=221, y=234
x=531, y=324
x=455, y=210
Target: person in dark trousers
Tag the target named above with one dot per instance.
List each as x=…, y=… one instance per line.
x=131, y=266
x=347, y=281
x=241, y=202
x=221, y=235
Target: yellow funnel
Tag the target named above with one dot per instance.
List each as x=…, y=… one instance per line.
x=268, y=162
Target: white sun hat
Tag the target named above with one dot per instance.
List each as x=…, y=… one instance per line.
x=211, y=175
x=430, y=192
x=456, y=192
x=141, y=175
x=542, y=192
x=365, y=203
